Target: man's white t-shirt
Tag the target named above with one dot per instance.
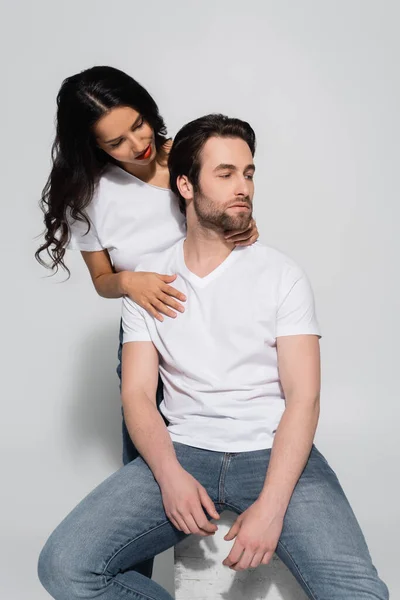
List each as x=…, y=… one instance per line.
x=218, y=359
x=129, y=218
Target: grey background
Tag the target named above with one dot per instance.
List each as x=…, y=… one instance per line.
x=319, y=82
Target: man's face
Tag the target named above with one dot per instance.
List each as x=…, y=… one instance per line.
x=224, y=200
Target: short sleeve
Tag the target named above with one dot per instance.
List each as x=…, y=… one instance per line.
x=80, y=238
x=133, y=323
x=296, y=307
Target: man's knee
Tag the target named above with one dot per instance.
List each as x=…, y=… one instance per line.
x=50, y=569
x=62, y=572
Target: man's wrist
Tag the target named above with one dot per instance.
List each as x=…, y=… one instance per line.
x=273, y=502
x=167, y=470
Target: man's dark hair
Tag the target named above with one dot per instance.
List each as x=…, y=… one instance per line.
x=185, y=155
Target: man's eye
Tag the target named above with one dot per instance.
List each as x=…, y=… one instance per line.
x=225, y=176
x=251, y=177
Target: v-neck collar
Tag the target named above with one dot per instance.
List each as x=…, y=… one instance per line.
x=203, y=281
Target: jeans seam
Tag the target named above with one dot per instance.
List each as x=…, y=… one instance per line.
x=283, y=547
x=224, y=469
x=235, y=508
x=130, y=542
x=139, y=594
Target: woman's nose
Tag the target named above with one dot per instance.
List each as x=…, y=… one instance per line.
x=136, y=144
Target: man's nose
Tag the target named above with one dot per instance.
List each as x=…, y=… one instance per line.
x=242, y=187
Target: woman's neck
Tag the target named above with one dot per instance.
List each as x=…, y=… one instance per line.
x=156, y=173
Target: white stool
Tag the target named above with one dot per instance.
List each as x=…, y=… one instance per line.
x=200, y=574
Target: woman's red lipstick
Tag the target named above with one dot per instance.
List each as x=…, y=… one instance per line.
x=145, y=154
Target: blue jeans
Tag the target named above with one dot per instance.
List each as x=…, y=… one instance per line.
x=93, y=552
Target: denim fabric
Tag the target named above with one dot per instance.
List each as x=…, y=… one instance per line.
x=94, y=551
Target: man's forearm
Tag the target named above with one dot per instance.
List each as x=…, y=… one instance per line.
x=290, y=451
x=149, y=434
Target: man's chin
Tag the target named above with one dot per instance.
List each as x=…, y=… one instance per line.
x=237, y=223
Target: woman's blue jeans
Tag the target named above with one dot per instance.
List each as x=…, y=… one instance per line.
x=93, y=554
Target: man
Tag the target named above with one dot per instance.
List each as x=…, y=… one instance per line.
x=241, y=375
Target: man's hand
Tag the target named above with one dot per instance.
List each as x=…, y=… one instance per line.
x=257, y=533
x=184, y=498
x=244, y=238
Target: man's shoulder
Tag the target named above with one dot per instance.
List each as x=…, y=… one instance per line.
x=269, y=256
x=159, y=261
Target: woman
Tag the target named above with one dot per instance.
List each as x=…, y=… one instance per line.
x=108, y=193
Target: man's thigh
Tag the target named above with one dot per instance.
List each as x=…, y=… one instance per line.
x=321, y=541
x=122, y=522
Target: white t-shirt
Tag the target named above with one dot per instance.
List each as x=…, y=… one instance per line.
x=218, y=359
x=129, y=218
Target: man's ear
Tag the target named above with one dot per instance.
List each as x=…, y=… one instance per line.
x=185, y=187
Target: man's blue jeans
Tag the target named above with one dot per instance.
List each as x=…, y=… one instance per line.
x=93, y=552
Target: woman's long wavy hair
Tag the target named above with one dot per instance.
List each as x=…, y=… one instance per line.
x=77, y=160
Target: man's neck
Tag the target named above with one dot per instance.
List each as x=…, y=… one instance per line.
x=205, y=249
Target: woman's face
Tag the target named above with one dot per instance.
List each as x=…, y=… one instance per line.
x=126, y=136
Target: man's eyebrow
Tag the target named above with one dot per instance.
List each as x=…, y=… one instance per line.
x=225, y=166
x=229, y=167
x=120, y=136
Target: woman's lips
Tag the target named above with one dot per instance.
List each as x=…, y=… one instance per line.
x=145, y=154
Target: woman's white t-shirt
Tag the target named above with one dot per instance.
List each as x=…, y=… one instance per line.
x=129, y=218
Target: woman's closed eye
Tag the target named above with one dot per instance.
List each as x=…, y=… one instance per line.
x=134, y=127
x=138, y=125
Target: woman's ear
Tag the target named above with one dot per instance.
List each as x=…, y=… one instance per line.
x=185, y=187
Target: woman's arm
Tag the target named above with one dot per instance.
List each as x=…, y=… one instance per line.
x=150, y=290
x=107, y=282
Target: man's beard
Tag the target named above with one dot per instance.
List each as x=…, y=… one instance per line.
x=213, y=217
